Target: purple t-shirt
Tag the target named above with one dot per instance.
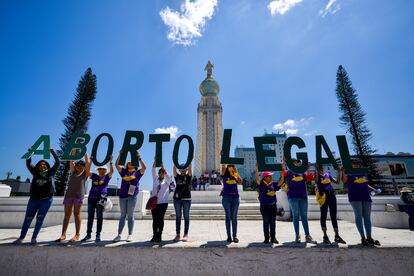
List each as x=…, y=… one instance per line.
x=230, y=187
x=99, y=186
x=128, y=179
x=325, y=183
x=267, y=193
x=296, y=185
x=358, y=188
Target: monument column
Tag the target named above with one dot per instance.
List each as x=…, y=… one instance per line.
x=209, y=126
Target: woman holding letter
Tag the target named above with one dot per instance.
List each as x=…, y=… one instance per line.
x=327, y=199
x=160, y=189
x=74, y=194
x=98, y=191
x=360, y=199
x=298, y=198
x=231, y=200
x=128, y=194
x=42, y=189
x=268, y=207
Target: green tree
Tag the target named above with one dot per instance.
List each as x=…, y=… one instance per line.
x=76, y=121
x=353, y=119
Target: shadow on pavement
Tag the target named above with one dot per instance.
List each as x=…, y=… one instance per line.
x=259, y=245
x=210, y=244
x=293, y=244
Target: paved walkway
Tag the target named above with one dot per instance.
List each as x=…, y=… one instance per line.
x=213, y=234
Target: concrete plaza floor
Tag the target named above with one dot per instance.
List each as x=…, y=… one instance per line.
x=213, y=234
x=207, y=252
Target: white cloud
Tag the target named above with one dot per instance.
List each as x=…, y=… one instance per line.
x=242, y=123
x=188, y=24
x=281, y=6
x=172, y=130
x=293, y=127
x=331, y=8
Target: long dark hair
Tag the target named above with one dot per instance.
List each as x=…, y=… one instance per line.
x=227, y=172
x=38, y=164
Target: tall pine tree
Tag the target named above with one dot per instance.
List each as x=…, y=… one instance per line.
x=353, y=119
x=79, y=114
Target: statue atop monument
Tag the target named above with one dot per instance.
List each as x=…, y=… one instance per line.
x=209, y=68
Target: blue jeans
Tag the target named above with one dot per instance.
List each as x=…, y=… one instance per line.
x=362, y=211
x=299, y=207
x=39, y=206
x=231, y=207
x=127, y=206
x=181, y=206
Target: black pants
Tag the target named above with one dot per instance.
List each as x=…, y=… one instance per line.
x=330, y=203
x=158, y=219
x=92, y=207
x=268, y=212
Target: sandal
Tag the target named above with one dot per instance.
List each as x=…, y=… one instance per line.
x=61, y=238
x=75, y=238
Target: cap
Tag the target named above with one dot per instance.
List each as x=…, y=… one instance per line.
x=264, y=174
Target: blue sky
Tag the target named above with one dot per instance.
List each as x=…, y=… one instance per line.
x=275, y=61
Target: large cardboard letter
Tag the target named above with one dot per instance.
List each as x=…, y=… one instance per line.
x=109, y=151
x=131, y=148
x=78, y=141
x=158, y=139
x=43, y=139
x=346, y=157
x=225, y=150
x=302, y=156
x=261, y=153
x=330, y=159
x=177, y=149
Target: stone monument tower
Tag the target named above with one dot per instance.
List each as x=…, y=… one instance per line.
x=209, y=126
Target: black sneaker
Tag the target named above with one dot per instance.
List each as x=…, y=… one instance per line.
x=235, y=239
x=158, y=239
x=371, y=241
x=153, y=239
x=229, y=240
x=98, y=238
x=326, y=240
x=364, y=242
x=266, y=241
x=274, y=240
x=87, y=238
x=338, y=239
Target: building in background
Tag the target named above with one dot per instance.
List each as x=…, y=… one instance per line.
x=209, y=126
x=278, y=147
x=248, y=169
x=396, y=171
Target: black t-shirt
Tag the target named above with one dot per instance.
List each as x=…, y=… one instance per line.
x=183, y=187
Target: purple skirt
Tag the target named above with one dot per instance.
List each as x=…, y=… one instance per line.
x=73, y=201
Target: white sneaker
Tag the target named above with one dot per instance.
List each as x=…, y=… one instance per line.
x=117, y=238
x=129, y=238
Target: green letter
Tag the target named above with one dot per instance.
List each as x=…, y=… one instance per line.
x=330, y=159
x=45, y=139
x=109, y=151
x=158, y=139
x=302, y=156
x=346, y=158
x=261, y=153
x=190, y=151
x=131, y=148
x=77, y=141
x=225, y=150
